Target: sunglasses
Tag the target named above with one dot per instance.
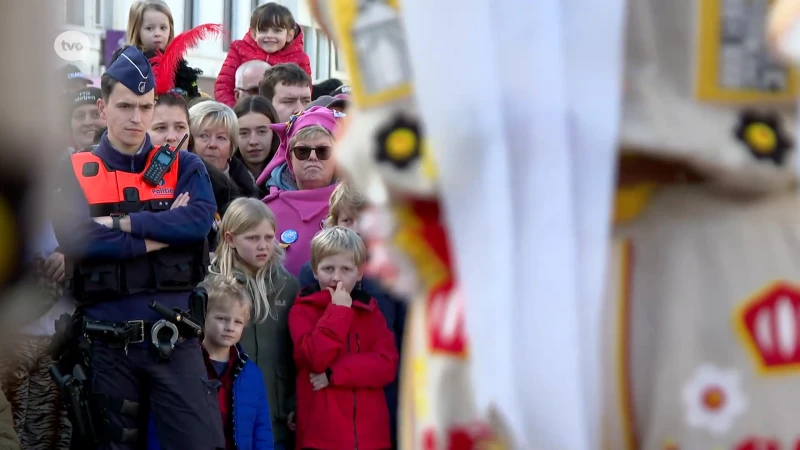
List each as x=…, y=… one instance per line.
x=251, y=91
x=303, y=152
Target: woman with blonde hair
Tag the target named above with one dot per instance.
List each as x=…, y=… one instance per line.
x=215, y=131
x=248, y=251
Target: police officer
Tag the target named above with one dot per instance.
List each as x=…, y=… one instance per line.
x=133, y=240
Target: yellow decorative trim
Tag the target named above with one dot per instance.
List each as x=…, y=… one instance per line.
x=344, y=14
x=707, y=63
x=409, y=386
x=623, y=375
x=431, y=271
x=630, y=201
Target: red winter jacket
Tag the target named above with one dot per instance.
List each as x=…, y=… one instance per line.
x=246, y=49
x=357, y=349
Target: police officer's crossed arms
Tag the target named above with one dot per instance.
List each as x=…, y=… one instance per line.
x=138, y=235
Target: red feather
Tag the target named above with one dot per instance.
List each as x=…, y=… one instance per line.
x=166, y=63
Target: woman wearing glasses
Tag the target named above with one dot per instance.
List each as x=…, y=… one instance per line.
x=301, y=178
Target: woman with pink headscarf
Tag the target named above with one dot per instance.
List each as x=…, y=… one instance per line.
x=300, y=179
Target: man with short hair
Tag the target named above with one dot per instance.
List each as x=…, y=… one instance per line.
x=288, y=87
x=247, y=77
x=138, y=235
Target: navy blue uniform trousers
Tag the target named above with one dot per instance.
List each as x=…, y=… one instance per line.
x=182, y=399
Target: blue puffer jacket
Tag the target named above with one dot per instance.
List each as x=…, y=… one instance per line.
x=251, y=418
x=394, y=311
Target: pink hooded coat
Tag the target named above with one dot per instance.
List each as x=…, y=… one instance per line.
x=299, y=213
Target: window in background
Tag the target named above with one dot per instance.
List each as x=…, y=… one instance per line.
x=322, y=69
x=75, y=12
x=108, y=13
x=227, y=24
x=98, y=14
x=318, y=48
x=309, y=45
x=338, y=63
x=189, y=14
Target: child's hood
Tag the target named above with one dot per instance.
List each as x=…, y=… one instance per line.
x=319, y=298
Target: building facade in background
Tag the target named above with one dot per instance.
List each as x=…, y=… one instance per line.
x=101, y=18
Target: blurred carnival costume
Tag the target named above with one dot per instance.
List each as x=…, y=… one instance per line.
x=40, y=418
x=703, y=295
x=172, y=73
x=384, y=148
x=699, y=270
x=27, y=403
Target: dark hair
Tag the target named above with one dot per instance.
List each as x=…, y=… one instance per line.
x=288, y=73
x=185, y=78
x=326, y=87
x=272, y=15
x=107, y=85
x=260, y=105
x=173, y=99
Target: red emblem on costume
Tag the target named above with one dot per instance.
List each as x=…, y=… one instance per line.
x=446, y=327
x=467, y=437
x=758, y=443
x=770, y=323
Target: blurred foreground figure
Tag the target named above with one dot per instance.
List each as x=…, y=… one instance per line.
x=701, y=315
x=24, y=83
x=477, y=207
x=676, y=324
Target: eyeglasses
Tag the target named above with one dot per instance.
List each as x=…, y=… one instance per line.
x=303, y=152
x=252, y=91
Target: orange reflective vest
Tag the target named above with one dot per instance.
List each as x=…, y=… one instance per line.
x=111, y=191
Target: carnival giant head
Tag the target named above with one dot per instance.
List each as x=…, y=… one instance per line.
x=702, y=86
x=387, y=154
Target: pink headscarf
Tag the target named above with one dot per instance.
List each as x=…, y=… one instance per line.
x=317, y=115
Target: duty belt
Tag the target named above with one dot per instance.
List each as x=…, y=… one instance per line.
x=122, y=334
x=163, y=333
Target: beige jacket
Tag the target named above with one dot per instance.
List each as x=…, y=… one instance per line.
x=702, y=338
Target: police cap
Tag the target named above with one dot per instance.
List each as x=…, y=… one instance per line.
x=132, y=69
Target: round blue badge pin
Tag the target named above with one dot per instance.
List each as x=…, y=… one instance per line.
x=289, y=236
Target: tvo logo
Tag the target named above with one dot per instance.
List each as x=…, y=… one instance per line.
x=72, y=46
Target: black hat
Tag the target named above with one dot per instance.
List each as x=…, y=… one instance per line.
x=329, y=102
x=72, y=78
x=184, y=82
x=343, y=89
x=87, y=96
x=132, y=69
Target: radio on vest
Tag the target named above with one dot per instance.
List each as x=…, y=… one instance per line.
x=161, y=163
